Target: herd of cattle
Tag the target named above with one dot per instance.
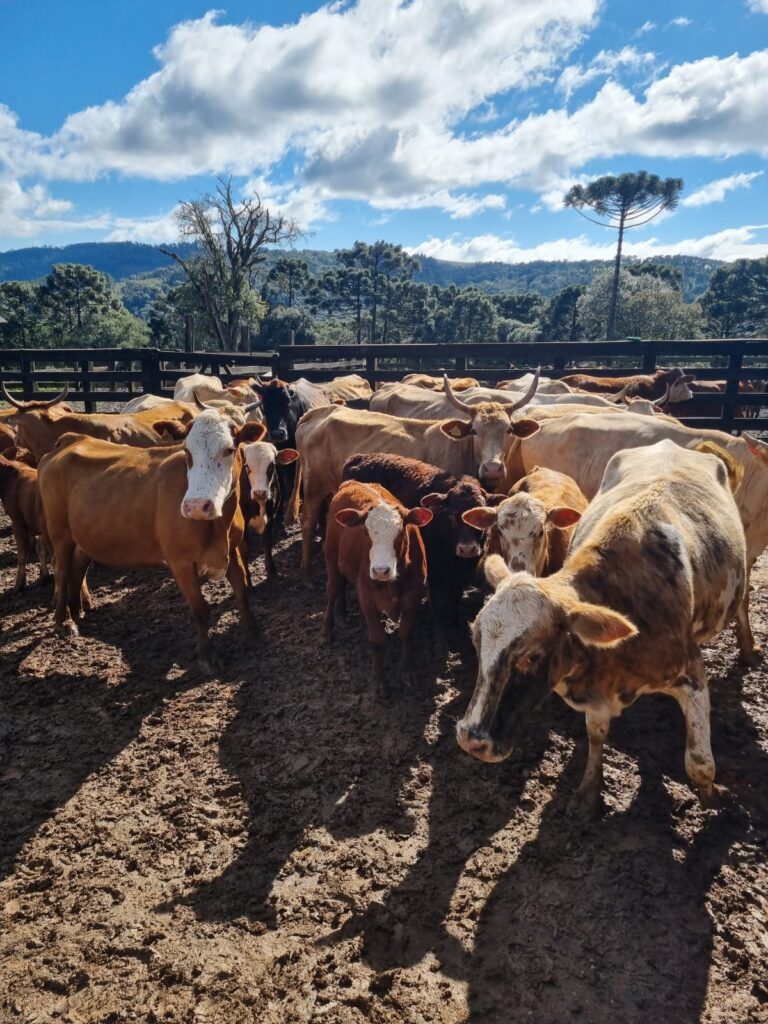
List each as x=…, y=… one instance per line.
x=613, y=539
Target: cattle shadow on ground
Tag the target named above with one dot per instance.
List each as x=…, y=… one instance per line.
x=56, y=698
x=320, y=752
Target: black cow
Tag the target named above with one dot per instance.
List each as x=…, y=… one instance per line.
x=453, y=548
x=260, y=498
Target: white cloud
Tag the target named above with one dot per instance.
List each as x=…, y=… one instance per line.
x=681, y=22
x=607, y=62
x=758, y=6
x=647, y=26
x=25, y=212
x=715, y=191
x=730, y=244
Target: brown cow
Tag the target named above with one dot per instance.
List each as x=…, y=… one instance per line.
x=374, y=543
x=21, y=498
x=639, y=385
x=532, y=528
x=7, y=436
x=128, y=507
x=40, y=425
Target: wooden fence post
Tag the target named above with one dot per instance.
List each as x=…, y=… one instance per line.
x=731, y=391
x=88, y=403
x=370, y=370
x=25, y=366
x=461, y=364
x=245, y=338
x=649, y=359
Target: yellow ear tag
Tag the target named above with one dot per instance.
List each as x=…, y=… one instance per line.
x=456, y=432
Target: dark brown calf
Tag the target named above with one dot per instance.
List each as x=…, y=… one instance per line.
x=21, y=498
x=373, y=542
x=639, y=385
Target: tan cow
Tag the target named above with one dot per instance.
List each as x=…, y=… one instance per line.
x=581, y=442
x=531, y=529
x=327, y=437
x=547, y=385
x=130, y=507
x=656, y=568
x=425, y=381
x=41, y=424
x=21, y=500
x=206, y=387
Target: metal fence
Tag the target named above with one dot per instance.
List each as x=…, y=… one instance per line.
x=98, y=375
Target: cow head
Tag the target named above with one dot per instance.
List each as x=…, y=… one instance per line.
x=36, y=403
x=261, y=460
x=454, y=532
x=677, y=382
x=531, y=636
x=521, y=526
x=490, y=425
x=385, y=525
x=280, y=411
x=213, y=462
x=250, y=413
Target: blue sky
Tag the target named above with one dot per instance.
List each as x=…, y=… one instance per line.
x=451, y=126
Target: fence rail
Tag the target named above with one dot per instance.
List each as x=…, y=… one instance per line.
x=116, y=375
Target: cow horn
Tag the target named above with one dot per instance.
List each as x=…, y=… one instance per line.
x=198, y=401
x=528, y=394
x=39, y=404
x=461, y=406
x=619, y=396
x=252, y=405
x=664, y=398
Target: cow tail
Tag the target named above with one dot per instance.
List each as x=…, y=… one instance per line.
x=292, y=508
x=733, y=467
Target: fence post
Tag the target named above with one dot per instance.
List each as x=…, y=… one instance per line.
x=245, y=338
x=461, y=364
x=88, y=404
x=150, y=371
x=25, y=367
x=731, y=391
x=558, y=364
x=370, y=370
x=649, y=359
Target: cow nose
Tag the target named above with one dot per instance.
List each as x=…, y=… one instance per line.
x=472, y=741
x=279, y=434
x=470, y=550
x=198, y=508
x=260, y=496
x=492, y=470
x=381, y=572
x=517, y=564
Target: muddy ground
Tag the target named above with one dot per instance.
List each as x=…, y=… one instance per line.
x=275, y=846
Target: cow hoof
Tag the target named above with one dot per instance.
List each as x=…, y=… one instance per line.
x=66, y=630
x=751, y=658
x=585, y=807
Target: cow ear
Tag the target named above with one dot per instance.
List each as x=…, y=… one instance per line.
x=434, y=501
x=338, y=401
x=418, y=517
x=250, y=432
x=350, y=517
x=687, y=378
x=758, y=448
x=172, y=429
x=493, y=500
x=496, y=571
x=456, y=429
x=482, y=517
x=598, y=626
x=286, y=456
x=563, y=516
x=524, y=428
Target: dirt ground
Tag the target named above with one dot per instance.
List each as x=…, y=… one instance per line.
x=275, y=846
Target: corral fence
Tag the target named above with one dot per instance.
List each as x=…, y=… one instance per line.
x=98, y=375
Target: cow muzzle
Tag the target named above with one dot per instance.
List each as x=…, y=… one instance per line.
x=477, y=743
x=492, y=471
x=199, y=508
x=468, y=549
x=279, y=434
x=518, y=564
x=382, y=573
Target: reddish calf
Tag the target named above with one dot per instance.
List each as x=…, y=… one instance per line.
x=21, y=498
x=374, y=543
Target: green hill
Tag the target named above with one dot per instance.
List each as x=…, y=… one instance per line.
x=147, y=267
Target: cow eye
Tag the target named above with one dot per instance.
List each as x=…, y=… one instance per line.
x=229, y=452
x=528, y=662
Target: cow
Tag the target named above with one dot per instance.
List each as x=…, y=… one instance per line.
x=129, y=507
x=424, y=380
x=695, y=409
x=531, y=529
x=581, y=442
x=21, y=500
x=7, y=436
x=205, y=386
x=640, y=385
x=374, y=543
x=327, y=437
x=547, y=386
x=453, y=547
x=39, y=426
x=152, y=407
x=656, y=568
x=351, y=389
x=260, y=497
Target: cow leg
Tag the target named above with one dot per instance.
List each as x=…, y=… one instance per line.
x=587, y=800
x=692, y=694
x=23, y=544
x=237, y=574
x=189, y=584
x=42, y=556
x=269, y=560
x=334, y=588
x=77, y=588
x=749, y=651
x=310, y=517
x=243, y=549
x=62, y=620
x=376, y=638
